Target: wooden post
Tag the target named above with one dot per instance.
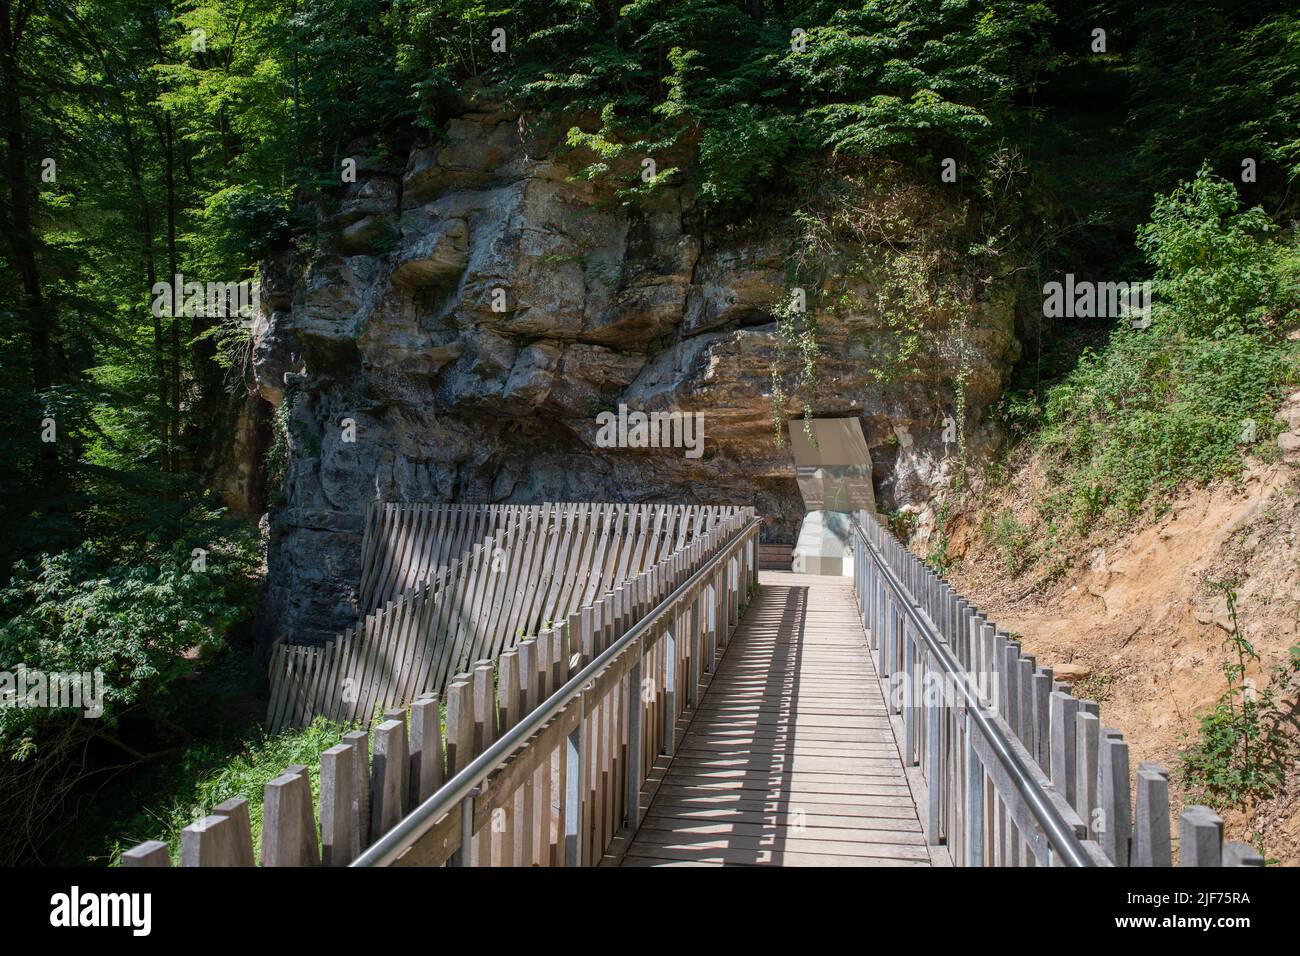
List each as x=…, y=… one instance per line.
x=360, y=742
x=696, y=651
x=460, y=726
x=236, y=808
x=1026, y=708
x=508, y=710
x=1151, y=843
x=1087, y=737
x=670, y=686
x=1064, y=762
x=337, y=778
x=211, y=841
x=399, y=714
x=974, y=805
x=910, y=729
x=426, y=750
x=636, y=707
x=559, y=656
x=387, y=793
x=149, y=853
x=1042, y=685
x=575, y=785
x=1116, y=827
x=987, y=679
x=545, y=665
x=1200, y=837
x=528, y=698
x=933, y=756
x=308, y=813
x=1010, y=685
x=587, y=634
x=285, y=805
x=485, y=731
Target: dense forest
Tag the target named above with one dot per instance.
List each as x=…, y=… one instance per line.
x=143, y=142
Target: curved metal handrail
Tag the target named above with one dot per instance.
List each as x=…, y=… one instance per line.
x=1058, y=831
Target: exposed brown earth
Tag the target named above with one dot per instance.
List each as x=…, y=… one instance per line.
x=1135, y=615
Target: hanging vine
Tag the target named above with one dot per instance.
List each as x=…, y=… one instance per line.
x=798, y=346
x=870, y=242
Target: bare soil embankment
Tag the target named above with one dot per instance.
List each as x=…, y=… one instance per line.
x=1143, y=632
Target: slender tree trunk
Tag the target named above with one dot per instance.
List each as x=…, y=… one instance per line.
x=206, y=404
x=170, y=179
x=135, y=170
x=297, y=126
x=22, y=240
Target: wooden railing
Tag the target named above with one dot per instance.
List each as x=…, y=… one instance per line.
x=545, y=750
x=406, y=544
x=565, y=776
x=1013, y=769
x=539, y=565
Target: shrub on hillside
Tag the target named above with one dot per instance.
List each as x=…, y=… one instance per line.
x=140, y=613
x=1180, y=400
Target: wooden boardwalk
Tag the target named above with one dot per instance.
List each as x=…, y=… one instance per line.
x=790, y=759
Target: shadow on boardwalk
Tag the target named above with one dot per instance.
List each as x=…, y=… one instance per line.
x=790, y=759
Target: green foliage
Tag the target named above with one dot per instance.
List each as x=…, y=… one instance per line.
x=901, y=524
x=900, y=78
x=1241, y=751
x=740, y=151
x=1010, y=538
x=1238, y=97
x=797, y=354
x=139, y=615
x=204, y=775
x=1171, y=403
x=937, y=556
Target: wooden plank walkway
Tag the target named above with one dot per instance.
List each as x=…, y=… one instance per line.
x=790, y=759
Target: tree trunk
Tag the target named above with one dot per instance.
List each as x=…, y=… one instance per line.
x=136, y=172
x=170, y=179
x=22, y=240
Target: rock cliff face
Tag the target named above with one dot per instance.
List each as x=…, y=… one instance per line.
x=469, y=316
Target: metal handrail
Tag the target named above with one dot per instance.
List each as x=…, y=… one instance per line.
x=1058, y=831
x=421, y=820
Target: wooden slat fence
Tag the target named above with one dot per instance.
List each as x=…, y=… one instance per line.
x=997, y=747
x=560, y=787
x=408, y=544
x=571, y=783
x=540, y=565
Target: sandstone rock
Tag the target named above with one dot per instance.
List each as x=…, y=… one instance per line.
x=274, y=355
x=1071, y=673
x=735, y=286
x=240, y=478
x=370, y=195
x=455, y=397
x=439, y=255
x=533, y=373
x=368, y=235
x=366, y=221
x=476, y=148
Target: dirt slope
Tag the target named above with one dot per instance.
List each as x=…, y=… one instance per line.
x=1136, y=613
